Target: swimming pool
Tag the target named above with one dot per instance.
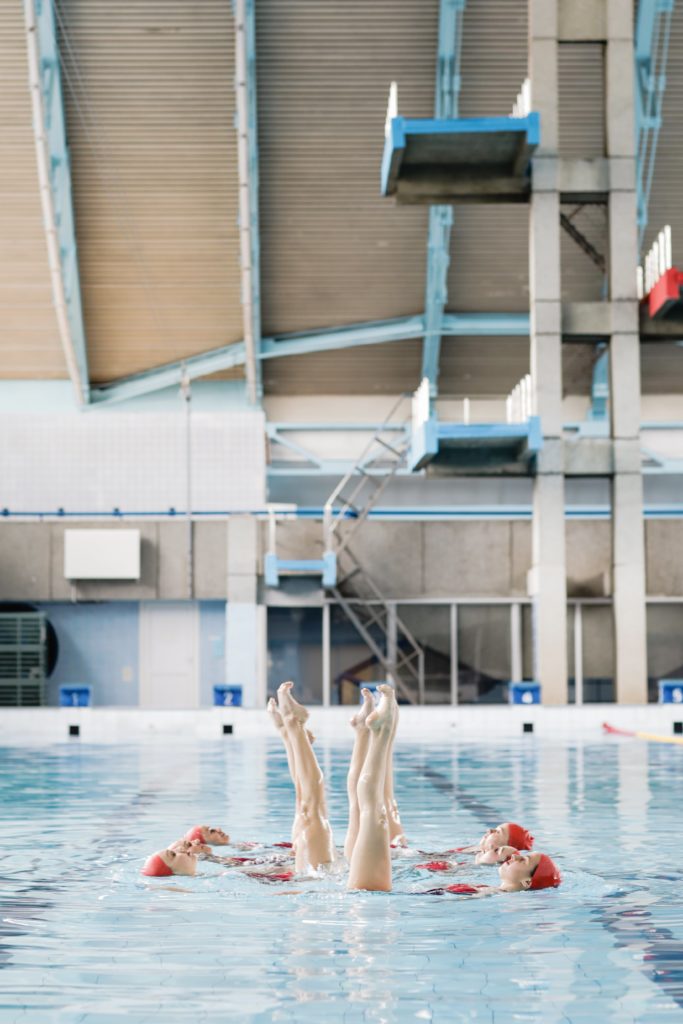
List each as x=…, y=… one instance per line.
x=84, y=938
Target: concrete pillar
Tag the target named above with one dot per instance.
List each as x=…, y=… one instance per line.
x=628, y=535
x=244, y=634
x=547, y=579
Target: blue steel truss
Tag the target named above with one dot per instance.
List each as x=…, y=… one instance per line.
x=60, y=182
x=375, y=333
x=653, y=29
x=600, y=386
x=441, y=217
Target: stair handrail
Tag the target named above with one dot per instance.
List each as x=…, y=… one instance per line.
x=328, y=509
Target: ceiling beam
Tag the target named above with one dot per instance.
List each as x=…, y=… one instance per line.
x=54, y=181
x=441, y=217
x=378, y=332
x=248, y=177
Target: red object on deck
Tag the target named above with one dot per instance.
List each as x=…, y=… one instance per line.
x=613, y=731
x=666, y=294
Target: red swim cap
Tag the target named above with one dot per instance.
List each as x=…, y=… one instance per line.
x=519, y=837
x=547, y=874
x=197, y=833
x=154, y=865
x=284, y=846
x=435, y=865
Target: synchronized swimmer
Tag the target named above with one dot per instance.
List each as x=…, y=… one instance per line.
x=374, y=827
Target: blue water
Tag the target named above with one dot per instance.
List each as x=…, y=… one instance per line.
x=84, y=938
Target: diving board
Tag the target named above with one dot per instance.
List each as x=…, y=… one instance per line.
x=459, y=160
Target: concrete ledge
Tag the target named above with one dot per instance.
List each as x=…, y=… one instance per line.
x=584, y=181
x=586, y=319
x=442, y=724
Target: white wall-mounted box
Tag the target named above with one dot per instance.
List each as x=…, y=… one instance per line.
x=102, y=554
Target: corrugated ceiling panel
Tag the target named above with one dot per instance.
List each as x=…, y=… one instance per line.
x=377, y=369
x=29, y=341
x=482, y=367
x=490, y=245
x=581, y=279
x=489, y=270
x=332, y=250
x=578, y=360
x=493, y=56
x=149, y=87
x=581, y=83
x=666, y=199
x=661, y=369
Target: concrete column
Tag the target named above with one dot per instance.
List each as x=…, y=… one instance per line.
x=547, y=579
x=628, y=535
x=244, y=635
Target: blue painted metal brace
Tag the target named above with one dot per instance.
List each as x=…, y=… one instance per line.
x=600, y=386
x=375, y=333
x=60, y=181
x=653, y=29
x=441, y=217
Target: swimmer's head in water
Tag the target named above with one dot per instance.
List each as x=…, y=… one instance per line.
x=155, y=866
x=209, y=835
x=497, y=855
x=190, y=846
x=170, y=862
x=507, y=834
x=528, y=871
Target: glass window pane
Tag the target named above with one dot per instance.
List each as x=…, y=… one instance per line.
x=295, y=651
x=598, y=654
x=431, y=626
x=664, y=645
x=483, y=654
x=352, y=663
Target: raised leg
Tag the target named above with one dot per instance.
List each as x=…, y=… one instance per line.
x=371, y=857
x=274, y=713
x=360, y=749
x=315, y=844
x=396, y=836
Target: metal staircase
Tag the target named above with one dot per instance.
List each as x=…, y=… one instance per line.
x=375, y=618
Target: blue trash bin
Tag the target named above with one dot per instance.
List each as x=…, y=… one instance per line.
x=527, y=692
x=75, y=695
x=671, y=691
x=227, y=696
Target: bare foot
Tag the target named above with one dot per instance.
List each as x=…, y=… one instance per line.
x=289, y=706
x=274, y=713
x=382, y=718
x=368, y=705
x=311, y=737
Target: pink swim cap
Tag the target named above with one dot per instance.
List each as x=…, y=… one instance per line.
x=196, y=833
x=547, y=874
x=154, y=865
x=519, y=837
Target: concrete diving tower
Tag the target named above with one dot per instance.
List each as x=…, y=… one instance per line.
x=458, y=160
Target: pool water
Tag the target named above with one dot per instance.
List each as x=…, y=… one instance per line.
x=84, y=938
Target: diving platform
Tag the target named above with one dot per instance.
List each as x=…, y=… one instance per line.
x=509, y=447
x=476, y=447
x=459, y=160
